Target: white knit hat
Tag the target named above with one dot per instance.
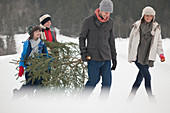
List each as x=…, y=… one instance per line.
x=148, y=11
x=106, y=6
x=44, y=18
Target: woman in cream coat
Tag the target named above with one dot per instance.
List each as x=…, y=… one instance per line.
x=144, y=43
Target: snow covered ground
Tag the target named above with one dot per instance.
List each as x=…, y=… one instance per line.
x=123, y=79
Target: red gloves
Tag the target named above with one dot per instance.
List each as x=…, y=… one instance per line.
x=21, y=71
x=162, y=57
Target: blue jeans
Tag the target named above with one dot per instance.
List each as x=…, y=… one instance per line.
x=95, y=70
x=143, y=73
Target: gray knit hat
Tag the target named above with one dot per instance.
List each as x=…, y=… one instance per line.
x=106, y=6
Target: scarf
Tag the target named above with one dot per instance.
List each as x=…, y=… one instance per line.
x=146, y=29
x=98, y=17
x=34, y=45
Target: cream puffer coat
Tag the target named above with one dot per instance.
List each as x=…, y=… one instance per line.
x=134, y=39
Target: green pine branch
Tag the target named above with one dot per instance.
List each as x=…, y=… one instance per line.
x=63, y=70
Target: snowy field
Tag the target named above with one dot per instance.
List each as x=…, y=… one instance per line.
x=123, y=79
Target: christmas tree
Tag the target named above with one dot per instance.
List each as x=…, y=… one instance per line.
x=62, y=70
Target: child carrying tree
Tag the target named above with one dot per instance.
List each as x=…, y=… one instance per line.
x=33, y=46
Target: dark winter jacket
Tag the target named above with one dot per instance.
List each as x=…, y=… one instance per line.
x=100, y=40
x=27, y=50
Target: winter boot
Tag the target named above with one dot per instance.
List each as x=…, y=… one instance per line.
x=18, y=93
x=131, y=97
x=152, y=99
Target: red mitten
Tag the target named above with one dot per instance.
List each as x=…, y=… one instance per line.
x=21, y=71
x=162, y=57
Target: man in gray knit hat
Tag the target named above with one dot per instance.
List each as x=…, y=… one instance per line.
x=106, y=6
x=100, y=49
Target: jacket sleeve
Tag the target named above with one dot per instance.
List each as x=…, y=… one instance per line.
x=24, y=54
x=130, y=40
x=83, y=37
x=159, y=45
x=112, y=44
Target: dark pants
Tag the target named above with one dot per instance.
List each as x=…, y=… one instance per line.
x=95, y=70
x=30, y=86
x=143, y=73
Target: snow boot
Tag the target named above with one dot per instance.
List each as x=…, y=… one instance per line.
x=152, y=99
x=131, y=97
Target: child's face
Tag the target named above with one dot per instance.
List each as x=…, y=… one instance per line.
x=37, y=34
x=48, y=24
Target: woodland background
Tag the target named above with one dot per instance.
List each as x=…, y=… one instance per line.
x=67, y=15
